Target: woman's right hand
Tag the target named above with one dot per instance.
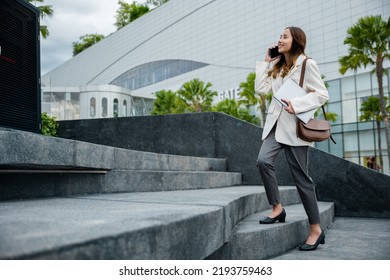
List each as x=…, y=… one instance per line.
x=267, y=57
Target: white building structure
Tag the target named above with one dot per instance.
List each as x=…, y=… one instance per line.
x=217, y=41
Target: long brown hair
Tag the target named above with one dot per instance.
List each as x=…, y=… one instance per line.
x=298, y=45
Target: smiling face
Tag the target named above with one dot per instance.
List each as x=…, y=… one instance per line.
x=285, y=41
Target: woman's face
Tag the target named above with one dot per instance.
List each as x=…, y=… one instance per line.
x=285, y=41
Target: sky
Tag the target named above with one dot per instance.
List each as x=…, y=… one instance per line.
x=72, y=19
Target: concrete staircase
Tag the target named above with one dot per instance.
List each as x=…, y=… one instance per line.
x=55, y=167
x=66, y=199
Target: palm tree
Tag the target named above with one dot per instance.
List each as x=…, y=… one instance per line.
x=44, y=10
x=232, y=108
x=197, y=95
x=165, y=103
x=369, y=43
x=249, y=96
x=371, y=111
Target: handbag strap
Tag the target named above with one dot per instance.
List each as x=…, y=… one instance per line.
x=303, y=71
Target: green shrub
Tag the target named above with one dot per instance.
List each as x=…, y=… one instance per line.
x=49, y=125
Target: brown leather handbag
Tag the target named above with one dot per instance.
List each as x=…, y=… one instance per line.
x=314, y=130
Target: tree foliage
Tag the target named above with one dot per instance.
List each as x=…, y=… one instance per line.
x=249, y=97
x=371, y=111
x=129, y=12
x=166, y=103
x=44, y=10
x=49, y=125
x=196, y=96
x=369, y=44
x=156, y=3
x=86, y=41
x=232, y=107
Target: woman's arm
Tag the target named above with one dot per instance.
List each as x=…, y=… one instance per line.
x=263, y=81
x=317, y=92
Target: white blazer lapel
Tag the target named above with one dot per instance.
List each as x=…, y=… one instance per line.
x=299, y=61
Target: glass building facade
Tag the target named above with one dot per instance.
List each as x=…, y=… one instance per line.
x=70, y=103
x=155, y=72
x=357, y=141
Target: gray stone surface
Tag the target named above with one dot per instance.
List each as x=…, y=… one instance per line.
x=188, y=224
x=24, y=186
x=253, y=241
x=166, y=225
x=356, y=190
x=29, y=150
x=350, y=239
x=212, y=135
x=127, y=170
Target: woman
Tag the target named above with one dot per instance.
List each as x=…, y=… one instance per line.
x=280, y=128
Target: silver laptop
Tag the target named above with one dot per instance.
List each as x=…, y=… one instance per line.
x=290, y=90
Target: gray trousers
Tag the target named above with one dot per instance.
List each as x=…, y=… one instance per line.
x=298, y=160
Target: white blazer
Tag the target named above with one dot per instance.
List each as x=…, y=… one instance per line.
x=286, y=123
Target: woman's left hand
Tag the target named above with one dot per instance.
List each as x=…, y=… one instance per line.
x=289, y=108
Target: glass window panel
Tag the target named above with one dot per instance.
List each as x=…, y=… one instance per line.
x=335, y=108
x=363, y=85
x=104, y=107
x=116, y=108
x=368, y=138
x=348, y=88
x=59, y=105
x=336, y=128
x=47, y=97
x=92, y=107
x=349, y=111
x=349, y=127
x=334, y=90
x=350, y=142
x=336, y=149
x=124, y=108
x=154, y=72
x=75, y=101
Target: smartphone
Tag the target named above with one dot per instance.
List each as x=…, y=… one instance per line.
x=273, y=52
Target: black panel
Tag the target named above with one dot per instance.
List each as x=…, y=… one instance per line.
x=20, y=99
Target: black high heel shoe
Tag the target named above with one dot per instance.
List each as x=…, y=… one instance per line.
x=307, y=247
x=281, y=218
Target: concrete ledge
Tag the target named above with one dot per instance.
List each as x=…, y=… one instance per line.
x=188, y=224
x=23, y=150
x=252, y=241
x=32, y=185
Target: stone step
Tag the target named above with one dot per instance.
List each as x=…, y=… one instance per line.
x=253, y=241
x=21, y=151
x=31, y=185
x=187, y=224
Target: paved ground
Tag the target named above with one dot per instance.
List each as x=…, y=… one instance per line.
x=350, y=239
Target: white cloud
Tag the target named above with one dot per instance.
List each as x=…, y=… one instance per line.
x=72, y=19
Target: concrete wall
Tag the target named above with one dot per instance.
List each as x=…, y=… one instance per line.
x=356, y=190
